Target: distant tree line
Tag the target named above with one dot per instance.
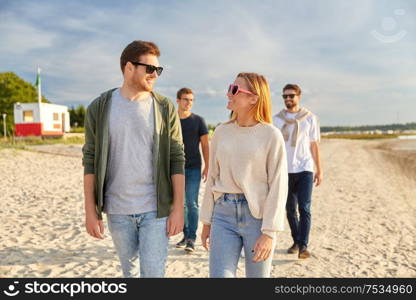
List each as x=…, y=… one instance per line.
x=407, y=126
x=400, y=127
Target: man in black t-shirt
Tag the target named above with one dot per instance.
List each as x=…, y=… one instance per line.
x=194, y=131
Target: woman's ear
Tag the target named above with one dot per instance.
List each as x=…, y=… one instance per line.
x=254, y=99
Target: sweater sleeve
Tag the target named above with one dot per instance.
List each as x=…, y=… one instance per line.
x=88, y=150
x=275, y=203
x=207, y=206
x=177, y=154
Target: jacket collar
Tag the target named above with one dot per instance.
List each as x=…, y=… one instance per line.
x=159, y=98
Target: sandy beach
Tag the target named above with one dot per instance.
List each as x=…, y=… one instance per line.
x=363, y=217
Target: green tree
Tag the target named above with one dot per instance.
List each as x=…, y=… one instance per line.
x=14, y=89
x=77, y=116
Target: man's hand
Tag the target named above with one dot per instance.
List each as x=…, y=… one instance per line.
x=205, y=174
x=318, y=178
x=94, y=226
x=206, y=231
x=175, y=222
x=204, y=139
x=262, y=248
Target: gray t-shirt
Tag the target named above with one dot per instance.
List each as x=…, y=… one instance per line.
x=130, y=187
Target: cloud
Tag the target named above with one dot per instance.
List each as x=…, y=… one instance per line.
x=19, y=38
x=326, y=47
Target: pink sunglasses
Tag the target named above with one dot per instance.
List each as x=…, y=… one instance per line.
x=234, y=89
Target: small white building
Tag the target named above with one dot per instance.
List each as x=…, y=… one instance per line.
x=40, y=119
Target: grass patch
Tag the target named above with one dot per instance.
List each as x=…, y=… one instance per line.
x=412, y=133
x=78, y=130
x=29, y=141
x=361, y=136
x=4, y=145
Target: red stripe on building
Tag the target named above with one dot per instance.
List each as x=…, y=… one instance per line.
x=28, y=129
x=34, y=129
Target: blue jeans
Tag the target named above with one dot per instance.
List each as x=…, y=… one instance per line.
x=299, y=196
x=191, y=213
x=232, y=228
x=140, y=237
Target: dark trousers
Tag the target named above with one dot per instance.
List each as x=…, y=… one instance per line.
x=299, y=199
x=191, y=212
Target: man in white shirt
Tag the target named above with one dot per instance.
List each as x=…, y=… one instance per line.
x=300, y=129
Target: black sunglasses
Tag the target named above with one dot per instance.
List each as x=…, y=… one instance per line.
x=149, y=68
x=291, y=96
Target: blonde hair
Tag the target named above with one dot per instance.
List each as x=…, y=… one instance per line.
x=258, y=85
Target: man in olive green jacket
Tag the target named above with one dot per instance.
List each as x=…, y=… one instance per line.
x=134, y=162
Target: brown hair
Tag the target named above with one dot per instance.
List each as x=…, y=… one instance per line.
x=183, y=91
x=135, y=49
x=291, y=86
x=258, y=85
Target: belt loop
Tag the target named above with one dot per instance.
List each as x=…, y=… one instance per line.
x=238, y=204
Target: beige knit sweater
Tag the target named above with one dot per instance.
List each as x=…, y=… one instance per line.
x=252, y=161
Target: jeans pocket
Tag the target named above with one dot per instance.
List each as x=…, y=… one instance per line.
x=220, y=200
x=117, y=219
x=118, y=222
x=222, y=206
x=151, y=218
x=250, y=217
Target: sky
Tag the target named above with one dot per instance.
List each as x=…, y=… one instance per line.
x=355, y=61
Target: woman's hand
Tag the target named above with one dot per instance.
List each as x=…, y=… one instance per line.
x=206, y=230
x=262, y=248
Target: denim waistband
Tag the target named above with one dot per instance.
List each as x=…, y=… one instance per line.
x=235, y=197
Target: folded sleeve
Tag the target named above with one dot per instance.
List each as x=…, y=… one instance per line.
x=274, y=210
x=315, y=131
x=207, y=206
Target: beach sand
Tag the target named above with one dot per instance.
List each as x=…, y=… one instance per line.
x=363, y=218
